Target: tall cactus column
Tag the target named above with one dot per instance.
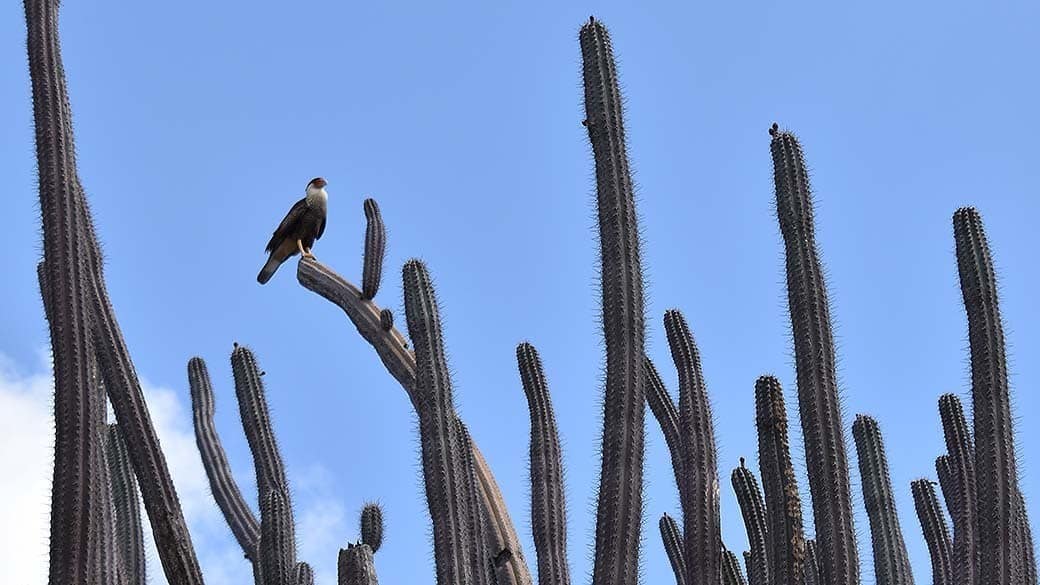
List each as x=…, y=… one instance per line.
x=815, y=364
x=620, y=500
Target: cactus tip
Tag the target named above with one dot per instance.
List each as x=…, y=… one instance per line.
x=774, y=129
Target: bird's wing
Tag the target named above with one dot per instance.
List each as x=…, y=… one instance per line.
x=321, y=227
x=285, y=228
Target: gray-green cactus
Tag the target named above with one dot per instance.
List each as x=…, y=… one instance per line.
x=620, y=498
x=891, y=562
x=818, y=399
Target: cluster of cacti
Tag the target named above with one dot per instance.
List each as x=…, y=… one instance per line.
x=96, y=535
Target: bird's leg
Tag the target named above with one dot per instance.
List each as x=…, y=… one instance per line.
x=303, y=251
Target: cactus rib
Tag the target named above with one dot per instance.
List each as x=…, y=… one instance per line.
x=812, y=564
x=815, y=364
x=244, y=525
x=548, y=504
x=891, y=562
x=620, y=498
x=303, y=574
x=787, y=545
x=129, y=534
x=375, y=250
x=731, y=571
x=277, y=537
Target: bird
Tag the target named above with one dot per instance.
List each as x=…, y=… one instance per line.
x=304, y=224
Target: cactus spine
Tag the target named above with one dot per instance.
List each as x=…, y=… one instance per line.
x=818, y=399
x=891, y=562
x=936, y=534
x=756, y=523
x=548, y=504
x=786, y=548
x=620, y=501
x=375, y=250
x=996, y=473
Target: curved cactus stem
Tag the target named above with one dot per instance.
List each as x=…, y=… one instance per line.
x=818, y=399
x=357, y=566
x=481, y=566
x=936, y=534
x=891, y=562
x=812, y=564
x=239, y=517
x=702, y=537
x=962, y=499
x=303, y=574
x=392, y=348
x=672, y=538
x=128, y=531
x=786, y=548
x=732, y=574
x=667, y=414
x=375, y=250
x=814, y=349
x=548, y=504
x=620, y=498
x=277, y=538
x=446, y=479
x=372, y=526
x=996, y=473
x=256, y=422
x=756, y=522
x=81, y=317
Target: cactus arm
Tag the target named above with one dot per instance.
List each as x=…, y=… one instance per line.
x=812, y=565
x=481, y=566
x=891, y=562
x=256, y=422
x=815, y=365
x=702, y=535
x=303, y=574
x=391, y=347
x=732, y=574
x=936, y=534
x=129, y=534
x=756, y=522
x=962, y=501
x=375, y=250
x=786, y=541
x=357, y=566
x=672, y=538
x=548, y=504
x=244, y=525
x=372, y=526
x=277, y=537
x=996, y=473
x=667, y=415
x=620, y=499
x=445, y=479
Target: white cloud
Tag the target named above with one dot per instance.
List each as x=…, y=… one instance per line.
x=26, y=455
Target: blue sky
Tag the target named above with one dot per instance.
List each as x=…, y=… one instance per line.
x=199, y=124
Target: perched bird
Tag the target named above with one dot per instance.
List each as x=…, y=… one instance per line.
x=304, y=223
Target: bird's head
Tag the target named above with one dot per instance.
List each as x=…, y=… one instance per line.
x=317, y=183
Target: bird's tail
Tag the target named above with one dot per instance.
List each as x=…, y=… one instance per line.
x=268, y=270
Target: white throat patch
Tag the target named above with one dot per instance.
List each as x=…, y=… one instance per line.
x=317, y=196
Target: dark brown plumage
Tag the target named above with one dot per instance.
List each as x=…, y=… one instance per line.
x=298, y=231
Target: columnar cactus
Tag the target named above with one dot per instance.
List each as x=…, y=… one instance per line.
x=375, y=250
x=129, y=537
x=548, y=504
x=936, y=534
x=277, y=538
x=999, y=543
x=962, y=500
x=818, y=399
x=372, y=526
x=356, y=565
x=785, y=537
x=731, y=571
x=756, y=522
x=671, y=536
x=812, y=565
x=891, y=562
x=620, y=501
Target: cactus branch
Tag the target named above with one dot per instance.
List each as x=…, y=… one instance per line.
x=891, y=562
x=672, y=538
x=277, y=537
x=372, y=526
x=357, y=566
x=936, y=534
x=818, y=399
x=375, y=250
x=620, y=498
x=129, y=534
x=732, y=574
x=961, y=502
x=548, y=504
x=756, y=522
